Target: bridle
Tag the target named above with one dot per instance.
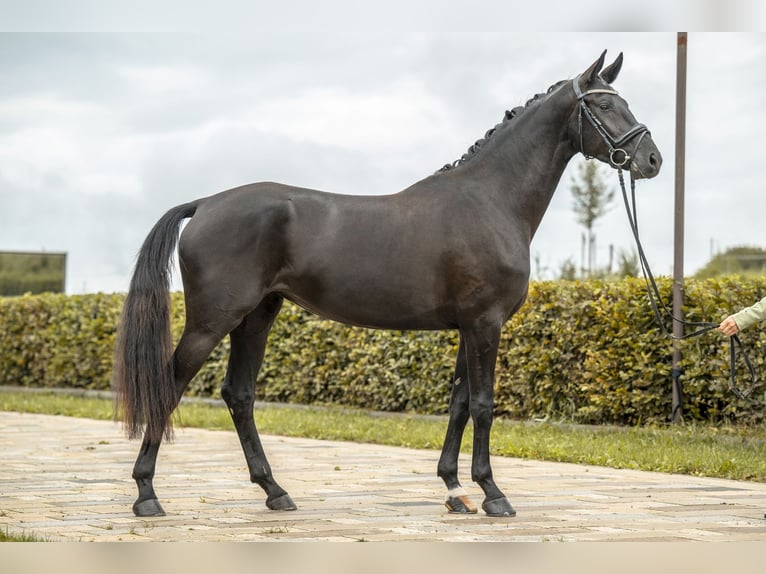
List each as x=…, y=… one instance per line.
x=619, y=158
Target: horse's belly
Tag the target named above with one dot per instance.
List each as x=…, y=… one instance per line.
x=375, y=312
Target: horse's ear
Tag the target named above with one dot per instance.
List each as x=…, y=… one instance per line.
x=610, y=73
x=590, y=75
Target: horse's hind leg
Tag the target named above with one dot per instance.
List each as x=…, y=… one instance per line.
x=143, y=473
x=457, y=500
x=192, y=350
x=248, y=344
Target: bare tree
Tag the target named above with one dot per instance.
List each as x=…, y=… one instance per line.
x=592, y=197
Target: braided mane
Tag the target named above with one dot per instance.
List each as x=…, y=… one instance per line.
x=507, y=117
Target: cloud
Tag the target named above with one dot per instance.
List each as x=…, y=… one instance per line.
x=343, y=118
x=101, y=133
x=154, y=80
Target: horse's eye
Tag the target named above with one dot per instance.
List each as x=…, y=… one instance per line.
x=604, y=106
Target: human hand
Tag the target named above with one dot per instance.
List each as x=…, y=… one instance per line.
x=728, y=326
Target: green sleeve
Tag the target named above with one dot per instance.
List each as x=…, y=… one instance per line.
x=751, y=315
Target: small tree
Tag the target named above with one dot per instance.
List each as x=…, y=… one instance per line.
x=628, y=264
x=592, y=197
x=568, y=270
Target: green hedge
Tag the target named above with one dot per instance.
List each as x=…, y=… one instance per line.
x=586, y=351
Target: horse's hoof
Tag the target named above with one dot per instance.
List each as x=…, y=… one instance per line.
x=283, y=502
x=460, y=505
x=498, y=507
x=148, y=507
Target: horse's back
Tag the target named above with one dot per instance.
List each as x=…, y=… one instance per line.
x=405, y=261
x=267, y=214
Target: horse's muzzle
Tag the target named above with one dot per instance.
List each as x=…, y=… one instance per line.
x=646, y=161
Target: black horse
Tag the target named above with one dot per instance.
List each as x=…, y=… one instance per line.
x=449, y=252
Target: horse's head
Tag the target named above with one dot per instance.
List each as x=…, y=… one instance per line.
x=603, y=127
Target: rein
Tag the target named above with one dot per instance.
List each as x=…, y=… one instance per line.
x=701, y=327
x=620, y=158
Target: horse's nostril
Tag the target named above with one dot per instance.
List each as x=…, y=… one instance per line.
x=653, y=160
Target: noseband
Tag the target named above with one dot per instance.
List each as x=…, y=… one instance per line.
x=617, y=154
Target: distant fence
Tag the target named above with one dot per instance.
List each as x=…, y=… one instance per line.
x=32, y=272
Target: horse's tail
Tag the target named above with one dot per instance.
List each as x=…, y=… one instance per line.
x=143, y=375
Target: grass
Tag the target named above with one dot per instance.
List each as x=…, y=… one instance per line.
x=701, y=450
x=7, y=536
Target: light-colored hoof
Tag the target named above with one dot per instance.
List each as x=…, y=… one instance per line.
x=460, y=505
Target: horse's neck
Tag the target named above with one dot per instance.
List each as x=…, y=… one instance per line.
x=524, y=164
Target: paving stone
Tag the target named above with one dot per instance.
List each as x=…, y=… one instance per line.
x=69, y=479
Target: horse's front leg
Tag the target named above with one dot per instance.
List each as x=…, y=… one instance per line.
x=481, y=345
x=457, y=500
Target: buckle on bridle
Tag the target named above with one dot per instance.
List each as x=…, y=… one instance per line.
x=614, y=155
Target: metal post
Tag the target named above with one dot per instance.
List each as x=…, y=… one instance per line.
x=678, y=228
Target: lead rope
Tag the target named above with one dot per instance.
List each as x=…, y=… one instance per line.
x=654, y=296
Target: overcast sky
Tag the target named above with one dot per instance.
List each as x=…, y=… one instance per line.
x=101, y=133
